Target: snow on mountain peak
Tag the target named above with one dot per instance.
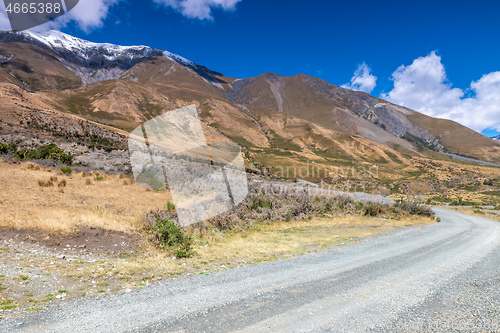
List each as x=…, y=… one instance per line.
x=57, y=40
x=178, y=59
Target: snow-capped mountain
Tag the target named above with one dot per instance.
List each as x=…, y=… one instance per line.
x=94, y=62
x=127, y=85
x=497, y=138
x=60, y=42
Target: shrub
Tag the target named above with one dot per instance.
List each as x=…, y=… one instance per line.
x=261, y=203
x=66, y=170
x=5, y=148
x=170, y=236
x=62, y=183
x=268, y=203
x=461, y=202
x=47, y=152
x=414, y=208
x=374, y=209
x=170, y=207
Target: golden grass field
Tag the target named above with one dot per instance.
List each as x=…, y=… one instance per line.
x=94, y=200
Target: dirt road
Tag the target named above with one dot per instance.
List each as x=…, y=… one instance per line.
x=441, y=277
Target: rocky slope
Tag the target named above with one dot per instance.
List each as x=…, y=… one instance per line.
x=276, y=119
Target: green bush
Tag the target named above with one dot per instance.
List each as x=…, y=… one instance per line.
x=5, y=148
x=171, y=237
x=66, y=169
x=261, y=203
x=461, y=202
x=47, y=152
x=170, y=207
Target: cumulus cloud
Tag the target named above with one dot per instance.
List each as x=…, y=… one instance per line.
x=423, y=86
x=90, y=14
x=362, y=80
x=87, y=14
x=199, y=9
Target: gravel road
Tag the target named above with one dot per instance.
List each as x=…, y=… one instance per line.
x=438, y=278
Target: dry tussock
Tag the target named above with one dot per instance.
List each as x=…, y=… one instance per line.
x=45, y=183
x=32, y=166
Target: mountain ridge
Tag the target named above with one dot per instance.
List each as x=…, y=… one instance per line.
x=300, y=115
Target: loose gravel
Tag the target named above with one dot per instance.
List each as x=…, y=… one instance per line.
x=437, y=278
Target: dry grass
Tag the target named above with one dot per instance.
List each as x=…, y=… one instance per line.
x=45, y=183
x=32, y=166
x=479, y=212
x=282, y=238
x=29, y=199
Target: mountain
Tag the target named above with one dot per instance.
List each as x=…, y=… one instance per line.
x=497, y=138
x=55, y=85
x=91, y=62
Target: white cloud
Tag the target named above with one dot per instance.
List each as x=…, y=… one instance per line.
x=423, y=86
x=362, y=80
x=88, y=15
x=199, y=9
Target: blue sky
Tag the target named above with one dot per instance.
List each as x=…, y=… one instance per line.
x=450, y=49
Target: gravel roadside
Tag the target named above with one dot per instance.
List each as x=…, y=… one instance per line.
x=405, y=280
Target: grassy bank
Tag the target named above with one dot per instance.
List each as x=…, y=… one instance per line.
x=73, y=215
